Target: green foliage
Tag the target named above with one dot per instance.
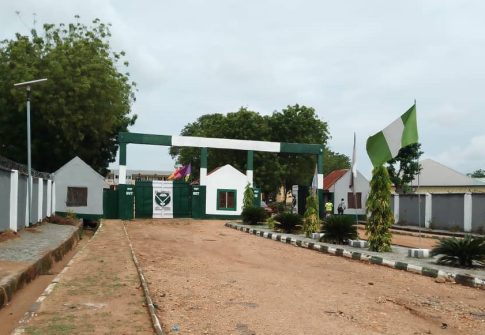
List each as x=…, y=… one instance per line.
x=253, y=215
x=461, y=252
x=338, y=229
x=380, y=219
x=295, y=124
x=271, y=222
x=288, y=222
x=82, y=107
x=477, y=174
x=248, y=197
x=311, y=221
x=404, y=167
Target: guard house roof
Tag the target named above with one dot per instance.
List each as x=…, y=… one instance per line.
x=330, y=179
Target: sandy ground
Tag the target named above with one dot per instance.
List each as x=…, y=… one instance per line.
x=406, y=240
x=99, y=294
x=209, y=279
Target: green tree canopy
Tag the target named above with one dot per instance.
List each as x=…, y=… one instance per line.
x=477, y=174
x=82, y=107
x=294, y=124
x=404, y=167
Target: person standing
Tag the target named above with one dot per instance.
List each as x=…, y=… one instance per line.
x=341, y=207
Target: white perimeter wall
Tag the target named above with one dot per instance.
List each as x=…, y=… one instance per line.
x=226, y=177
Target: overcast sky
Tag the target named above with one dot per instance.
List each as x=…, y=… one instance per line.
x=360, y=64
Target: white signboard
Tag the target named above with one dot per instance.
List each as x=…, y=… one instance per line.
x=162, y=199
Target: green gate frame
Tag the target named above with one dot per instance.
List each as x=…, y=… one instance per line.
x=203, y=143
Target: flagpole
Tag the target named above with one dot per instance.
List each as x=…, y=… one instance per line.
x=419, y=197
x=354, y=177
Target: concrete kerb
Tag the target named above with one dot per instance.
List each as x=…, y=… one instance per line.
x=48, y=290
x=466, y=280
x=41, y=266
x=151, y=307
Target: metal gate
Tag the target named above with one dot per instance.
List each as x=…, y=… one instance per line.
x=182, y=199
x=143, y=199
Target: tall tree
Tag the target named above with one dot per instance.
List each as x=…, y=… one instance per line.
x=404, y=167
x=379, y=212
x=82, y=107
x=295, y=124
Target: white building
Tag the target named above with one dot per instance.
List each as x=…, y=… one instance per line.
x=225, y=191
x=336, y=186
x=79, y=189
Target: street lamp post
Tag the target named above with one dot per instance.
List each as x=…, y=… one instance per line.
x=27, y=85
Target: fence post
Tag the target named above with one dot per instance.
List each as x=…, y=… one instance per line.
x=428, y=211
x=53, y=198
x=48, y=198
x=40, y=194
x=396, y=208
x=14, y=189
x=467, y=212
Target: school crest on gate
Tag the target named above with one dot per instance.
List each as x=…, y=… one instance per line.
x=162, y=198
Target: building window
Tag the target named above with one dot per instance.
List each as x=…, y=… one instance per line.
x=226, y=200
x=353, y=201
x=77, y=196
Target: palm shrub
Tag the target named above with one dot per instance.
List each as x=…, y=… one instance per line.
x=338, y=229
x=288, y=222
x=460, y=252
x=311, y=221
x=253, y=215
x=379, y=212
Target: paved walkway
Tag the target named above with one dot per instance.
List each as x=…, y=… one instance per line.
x=33, y=243
x=25, y=257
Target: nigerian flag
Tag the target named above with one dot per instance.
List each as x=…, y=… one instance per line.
x=385, y=145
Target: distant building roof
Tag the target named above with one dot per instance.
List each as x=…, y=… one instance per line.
x=437, y=174
x=143, y=172
x=330, y=179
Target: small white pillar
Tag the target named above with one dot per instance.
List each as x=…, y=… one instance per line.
x=396, y=208
x=428, y=214
x=203, y=176
x=48, y=200
x=122, y=174
x=467, y=212
x=40, y=194
x=53, y=198
x=249, y=176
x=14, y=189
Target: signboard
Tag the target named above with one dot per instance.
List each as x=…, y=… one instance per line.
x=162, y=199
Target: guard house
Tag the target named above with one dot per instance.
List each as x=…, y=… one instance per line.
x=79, y=189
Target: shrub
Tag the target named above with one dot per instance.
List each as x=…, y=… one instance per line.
x=338, y=229
x=311, y=221
x=277, y=207
x=461, y=252
x=271, y=222
x=253, y=215
x=288, y=222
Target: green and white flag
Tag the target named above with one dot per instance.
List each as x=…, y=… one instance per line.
x=385, y=145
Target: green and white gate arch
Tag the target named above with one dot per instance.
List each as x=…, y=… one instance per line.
x=204, y=143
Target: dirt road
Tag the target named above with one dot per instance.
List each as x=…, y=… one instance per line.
x=99, y=294
x=208, y=279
